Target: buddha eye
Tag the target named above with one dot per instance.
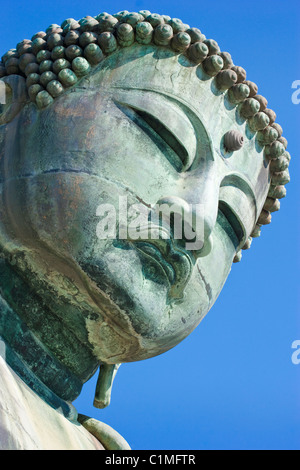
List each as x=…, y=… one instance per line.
x=233, y=226
x=165, y=134
x=158, y=132
x=164, y=122
x=237, y=205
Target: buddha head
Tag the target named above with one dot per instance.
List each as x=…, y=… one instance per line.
x=106, y=120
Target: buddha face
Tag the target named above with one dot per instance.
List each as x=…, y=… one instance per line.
x=146, y=128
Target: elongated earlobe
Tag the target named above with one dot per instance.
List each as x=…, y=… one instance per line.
x=13, y=96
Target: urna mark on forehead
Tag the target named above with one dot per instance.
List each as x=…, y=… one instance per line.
x=60, y=59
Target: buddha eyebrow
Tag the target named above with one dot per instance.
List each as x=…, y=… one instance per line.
x=179, y=102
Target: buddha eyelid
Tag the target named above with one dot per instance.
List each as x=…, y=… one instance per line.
x=163, y=115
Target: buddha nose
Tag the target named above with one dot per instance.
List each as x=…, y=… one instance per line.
x=196, y=199
x=191, y=224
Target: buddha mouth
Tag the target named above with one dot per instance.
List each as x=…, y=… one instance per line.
x=163, y=255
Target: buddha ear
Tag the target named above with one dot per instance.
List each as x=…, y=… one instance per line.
x=13, y=97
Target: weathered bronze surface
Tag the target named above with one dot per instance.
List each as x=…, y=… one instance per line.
x=133, y=107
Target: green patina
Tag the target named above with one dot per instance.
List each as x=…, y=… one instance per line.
x=134, y=106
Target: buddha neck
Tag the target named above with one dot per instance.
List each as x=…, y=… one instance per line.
x=34, y=337
x=31, y=379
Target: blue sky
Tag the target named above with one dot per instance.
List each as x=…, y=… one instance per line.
x=231, y=384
